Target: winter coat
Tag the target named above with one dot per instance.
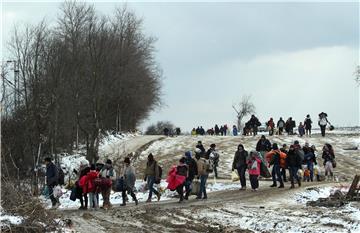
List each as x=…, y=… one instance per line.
x=293, y=159
x=52, y=174
x=327, y=156
x=90, y=177
x=173, y=179
x=281, y=124
x=310, y=158
x=182, y=170
x=129, y=177
x=271, y=124
x=307, y=123
x=322, y=121
x=83, y=184
x=240, y=159
x=254, y=169
x=301, y=130
x=193, y=169
x=276, y=157
x=201, y=147
x=254, y=122
x=263, y=145
x=235, y=131
x=202, y=166
x=108, y=173
x=152, y=169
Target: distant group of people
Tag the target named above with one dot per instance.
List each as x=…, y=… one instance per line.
x=223, y=130
x=170, y=132
x=295, y=158
x=251, y=127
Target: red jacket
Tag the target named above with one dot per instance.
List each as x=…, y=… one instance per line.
x=91, y=176
x=173, y=179
x=254, y=169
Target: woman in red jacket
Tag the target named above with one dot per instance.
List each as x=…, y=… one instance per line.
x=91, y=188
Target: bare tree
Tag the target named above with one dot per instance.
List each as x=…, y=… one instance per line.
x=244, y=108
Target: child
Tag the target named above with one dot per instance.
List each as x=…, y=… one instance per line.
x=307, y=175
x=254, y=169
x=91, y=176
x=301, y=129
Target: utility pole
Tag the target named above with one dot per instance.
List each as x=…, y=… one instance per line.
x=16, y=83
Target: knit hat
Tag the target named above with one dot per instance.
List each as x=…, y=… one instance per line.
x=127, y=160
x=275, y=146
x=188, y=154
x=108, y=161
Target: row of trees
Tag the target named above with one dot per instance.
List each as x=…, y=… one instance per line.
x=86, y=74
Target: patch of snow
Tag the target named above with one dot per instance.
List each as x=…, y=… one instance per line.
x=6, y=219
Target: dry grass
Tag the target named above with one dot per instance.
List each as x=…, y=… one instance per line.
x=21, y=203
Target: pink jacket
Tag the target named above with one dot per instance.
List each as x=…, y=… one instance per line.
x=254, y=166
x=173, y=179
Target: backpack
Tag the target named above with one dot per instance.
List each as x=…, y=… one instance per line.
x=160, y=174
x=61, y=176
x=281, y=124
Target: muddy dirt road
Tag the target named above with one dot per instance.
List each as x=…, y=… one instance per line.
x=223, y=211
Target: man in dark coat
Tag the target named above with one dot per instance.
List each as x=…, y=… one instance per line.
x=263, y=145
x=52, y=177
x=201, y=147
x=255, y=123
x=192, y=173
x=240, y=164
x=293, y=161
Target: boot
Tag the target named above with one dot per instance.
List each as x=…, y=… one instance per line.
x=299, y=182
x=292, y=185
x=281, y=185
x=158, y=196
x=273, y=185
x=186, y=196
x=136, y=201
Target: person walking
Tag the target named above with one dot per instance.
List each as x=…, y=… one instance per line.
x=182, y=170
x=151, y=175
x=254, y=164
x=274, y=160
x=235, y=131
x=129, y=176
x=263, y=146
x=271, y=125
x=91, y=187
x=192, y=172
x=307, y=123
x=213, y=157
x=203, y=166
x=301, y=129
x=293, y=161
x=240, y=164
x=52, y=177
x=281, y=125
x=201, y=147
x=255, y=123
x=329, y=161
x=323, y=121
x=309, y=159
x=107, y=172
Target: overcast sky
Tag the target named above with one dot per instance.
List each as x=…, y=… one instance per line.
x=292, y=58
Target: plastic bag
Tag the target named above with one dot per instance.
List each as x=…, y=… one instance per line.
x=195, y=187
x=57, y=192
x=234, y=176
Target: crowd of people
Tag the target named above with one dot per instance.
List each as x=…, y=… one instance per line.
x=252, y=126
x=101, y=178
